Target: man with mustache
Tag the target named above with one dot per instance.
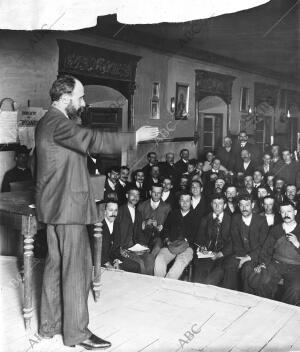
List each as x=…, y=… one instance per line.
x=128, y=231
x=249, y=232
x=279, y=259
x=231, y=206
x=108, y=224
x=66, y=203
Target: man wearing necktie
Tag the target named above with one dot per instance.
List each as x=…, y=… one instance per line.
x=213, y=239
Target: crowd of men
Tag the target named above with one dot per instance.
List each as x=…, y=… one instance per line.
x=230, y=220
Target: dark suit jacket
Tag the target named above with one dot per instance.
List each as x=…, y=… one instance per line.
x=172, y=200
x=63, y=191
x=160, y=213
x=121, y=192
x=149, y=183
x=108, y=190
x=107, y=243
x=277, y=218
x=178, y=227
x=227, y=158
x=126, y=233
x=258, y=233
x=143, y=191
x=290, y=173
x=252, y=148
x=239, y=167
x=202, y=209
x=181, y=167
x=276, y=232
x=167, y=170
x=147, y=169
x=15, y=175
x=204, y=233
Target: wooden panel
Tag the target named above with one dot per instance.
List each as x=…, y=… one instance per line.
x=142, y=313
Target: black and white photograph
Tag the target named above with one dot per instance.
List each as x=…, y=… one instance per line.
x=150, y=176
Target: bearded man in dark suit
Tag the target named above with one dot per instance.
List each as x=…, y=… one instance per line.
x=65, y=202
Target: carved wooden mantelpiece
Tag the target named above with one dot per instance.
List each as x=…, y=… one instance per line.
x=212, y=83
x=98, y=62
x=98, y=66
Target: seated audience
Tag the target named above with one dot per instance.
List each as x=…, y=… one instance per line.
x=178, y=235
x=213, y=235
x=226, y=155
x=112, y=181
x=154, y=213
x=249, y=232
x=128, y=232
x=168, y=195
x=279, y=259
x=272, y=216
x=182, y=163
x=107, y=257
x=152, y=160
x=20, y=172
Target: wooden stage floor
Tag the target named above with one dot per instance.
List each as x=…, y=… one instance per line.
x=140, y=313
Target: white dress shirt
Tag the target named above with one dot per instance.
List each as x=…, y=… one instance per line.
x=110, y=225
x=154, y=205
x=246, y=164
x=165, y=195
x=132, y=213
x=220, y=216
x=270, y=219
x=247, y=220
x=111, y=185
x=195, y=202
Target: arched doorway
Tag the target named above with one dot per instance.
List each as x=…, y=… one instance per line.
x=107, y=109
x=213, y=92
x=107, y=74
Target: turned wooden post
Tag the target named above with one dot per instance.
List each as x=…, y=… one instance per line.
x=97, y=252
x=29, y=228
x=97, y=260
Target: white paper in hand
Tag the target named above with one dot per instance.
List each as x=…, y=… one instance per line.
x=138, y=248
x=205, y=254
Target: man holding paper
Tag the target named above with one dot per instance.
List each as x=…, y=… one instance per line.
x=65, y=202
x=213, y=241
